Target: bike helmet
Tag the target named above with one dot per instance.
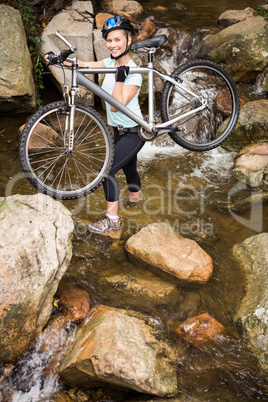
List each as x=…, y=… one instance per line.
x=117, y=23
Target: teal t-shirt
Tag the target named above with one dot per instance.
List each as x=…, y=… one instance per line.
x=118, y=118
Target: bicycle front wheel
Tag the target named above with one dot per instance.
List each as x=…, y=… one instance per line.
x=55, y=168
x=202, y=83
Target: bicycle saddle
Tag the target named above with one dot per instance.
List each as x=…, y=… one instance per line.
x=153, y=42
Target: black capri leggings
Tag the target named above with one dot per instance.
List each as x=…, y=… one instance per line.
x=125, y=157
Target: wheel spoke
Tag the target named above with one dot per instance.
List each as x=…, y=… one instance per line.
x=54, y=170
x=213, y=87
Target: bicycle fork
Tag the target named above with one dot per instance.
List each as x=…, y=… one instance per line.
x=69, y=130
x=70, y=116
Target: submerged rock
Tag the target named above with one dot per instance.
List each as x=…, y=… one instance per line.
x=119, y=348
x=160, y=247
x=252, y=255
x=35, y=252
x=143, y=289
x=201, y=331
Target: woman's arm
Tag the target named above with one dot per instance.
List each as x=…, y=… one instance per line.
x=123, y=93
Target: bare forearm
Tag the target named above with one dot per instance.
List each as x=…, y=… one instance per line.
x=118, y=94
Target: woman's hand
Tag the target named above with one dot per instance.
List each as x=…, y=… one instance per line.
x=121, y=73
x=49, y=56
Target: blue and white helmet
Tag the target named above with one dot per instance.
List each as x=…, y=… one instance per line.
x=117, y=23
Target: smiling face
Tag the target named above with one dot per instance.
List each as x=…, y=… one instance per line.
x=117, y=42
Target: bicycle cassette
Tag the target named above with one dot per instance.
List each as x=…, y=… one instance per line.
x=146, y=135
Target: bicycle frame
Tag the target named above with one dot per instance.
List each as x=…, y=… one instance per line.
x=78, y=77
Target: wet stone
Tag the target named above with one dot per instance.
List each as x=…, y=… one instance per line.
x=75, y=304
x=120, y=348
x=200, y=331
x=160, y=248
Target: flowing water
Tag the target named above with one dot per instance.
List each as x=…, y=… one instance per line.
x=191, y=191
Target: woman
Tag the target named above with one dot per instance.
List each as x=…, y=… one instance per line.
x=118, y=31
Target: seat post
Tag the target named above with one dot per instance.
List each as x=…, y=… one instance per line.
x=151, y=86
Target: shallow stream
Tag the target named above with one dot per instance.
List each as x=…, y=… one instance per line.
x=193, y=192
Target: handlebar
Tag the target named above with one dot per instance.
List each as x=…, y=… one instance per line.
x=54, y=58
x=72, y=48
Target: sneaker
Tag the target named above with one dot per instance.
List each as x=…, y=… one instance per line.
x=104, y=225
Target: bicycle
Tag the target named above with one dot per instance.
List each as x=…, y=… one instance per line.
x=66, y=147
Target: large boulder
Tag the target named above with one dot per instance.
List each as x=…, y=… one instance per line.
x=241, y=47
x=161, y=248
x=17, y=90
x=119, y=348
x=252, y=126
x=252, y=255
x=35, y=252
x=76, y=25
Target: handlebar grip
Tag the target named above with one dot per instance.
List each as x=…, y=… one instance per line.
x=52, y=58
x=65, y=53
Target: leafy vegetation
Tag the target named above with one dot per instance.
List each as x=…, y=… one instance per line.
x=261, y=11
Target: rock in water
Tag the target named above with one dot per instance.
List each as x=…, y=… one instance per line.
x=160, y=247
x=201, y=331
x=35, y=252
x=119, y=348
x=75, y=304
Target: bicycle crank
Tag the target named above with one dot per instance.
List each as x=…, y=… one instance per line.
x=146, y=135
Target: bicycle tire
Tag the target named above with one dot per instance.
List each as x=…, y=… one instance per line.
x=212, y=126
x=45, y=158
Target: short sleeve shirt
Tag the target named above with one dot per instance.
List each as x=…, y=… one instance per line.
x=118, y=118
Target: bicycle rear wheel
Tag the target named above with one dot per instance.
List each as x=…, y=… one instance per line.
x=210, y=127
x=45, y=157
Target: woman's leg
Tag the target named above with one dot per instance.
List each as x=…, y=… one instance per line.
x=125, y=156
